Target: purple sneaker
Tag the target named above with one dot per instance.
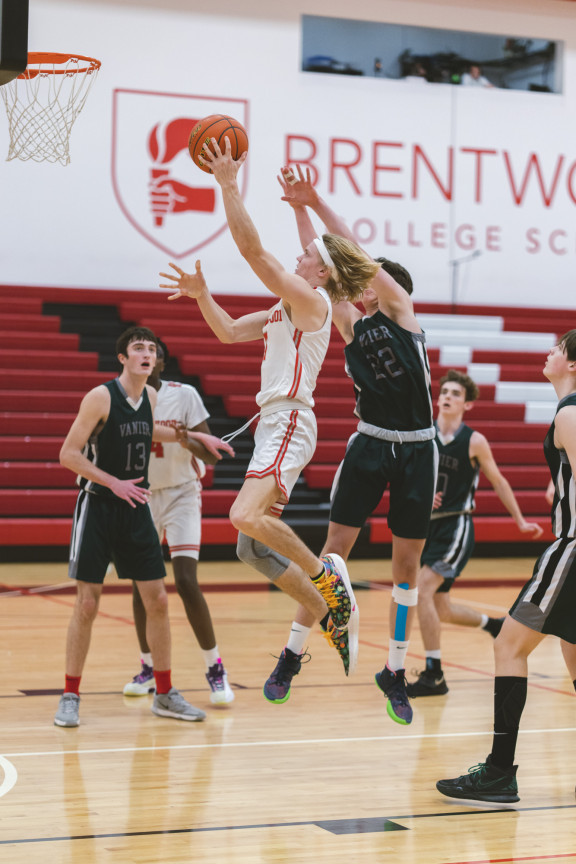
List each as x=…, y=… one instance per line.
x=277, y=687
x=218, y=680
x=393, y=685
x=141, y=684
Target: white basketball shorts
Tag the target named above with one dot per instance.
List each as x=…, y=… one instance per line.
x=284, y=444
x=177, y=512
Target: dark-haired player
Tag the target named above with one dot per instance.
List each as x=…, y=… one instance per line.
x=175, y=474
x=463, y=453
x=394, y=446
x=545, y=604
x=108, y=446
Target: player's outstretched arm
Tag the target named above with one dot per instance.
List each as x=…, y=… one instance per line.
x=306, y=230
x=307, y=304
x=392, y=298
x=480, y=450
x=227, y=329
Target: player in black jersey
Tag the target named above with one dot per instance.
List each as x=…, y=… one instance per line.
x=108, y=446
x=463, y=453
x=545, y=604
x=394, y=445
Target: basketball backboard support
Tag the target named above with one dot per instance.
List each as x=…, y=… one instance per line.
x=13, y=39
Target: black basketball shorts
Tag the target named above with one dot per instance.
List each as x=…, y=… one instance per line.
x=369, y=467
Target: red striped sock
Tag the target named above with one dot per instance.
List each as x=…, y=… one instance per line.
x=163, y=680
x=72, y=684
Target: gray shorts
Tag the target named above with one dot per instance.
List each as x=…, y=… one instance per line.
x=547, y=603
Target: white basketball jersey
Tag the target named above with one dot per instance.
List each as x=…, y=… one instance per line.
x=171, y=464
x=292, y=358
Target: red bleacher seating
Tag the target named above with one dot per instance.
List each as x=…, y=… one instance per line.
x=46, y=376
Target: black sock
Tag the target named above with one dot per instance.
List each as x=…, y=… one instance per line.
x=324, y=622
x=509, y=700
x=434, y=666
x=574, y=683
x=319, y=576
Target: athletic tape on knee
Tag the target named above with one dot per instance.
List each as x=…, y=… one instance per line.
x=404, y=597
x=268, y=562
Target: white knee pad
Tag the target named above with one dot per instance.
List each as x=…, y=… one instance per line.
x=268, y=562
x=405, y=596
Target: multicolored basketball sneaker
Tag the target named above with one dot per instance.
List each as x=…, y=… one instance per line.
x=345, y=645
x=336, y=589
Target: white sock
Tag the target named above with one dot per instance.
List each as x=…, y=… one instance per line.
x=146, y=658
x=211, y=656
x=484, y=621
x=434, y=655
x=397, y=654
x=298, y=637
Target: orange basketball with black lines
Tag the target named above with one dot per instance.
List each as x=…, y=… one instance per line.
x=220, y=127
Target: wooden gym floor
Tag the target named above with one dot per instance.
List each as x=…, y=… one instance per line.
x=325, y=777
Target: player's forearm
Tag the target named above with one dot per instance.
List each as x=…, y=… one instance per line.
x=219, y=321
x=333, y=223
x=202, y=452
x=78, y=463
x=241, y=226
x=306, y=231
x=508, y=499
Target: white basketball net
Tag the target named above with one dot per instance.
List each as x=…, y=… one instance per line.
x=43, y=103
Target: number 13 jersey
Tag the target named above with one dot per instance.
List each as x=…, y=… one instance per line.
x=122, y=447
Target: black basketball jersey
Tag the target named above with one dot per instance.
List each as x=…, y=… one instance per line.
x=391, y=375
x=457, y=476
x=563, y=507
x=122, y=447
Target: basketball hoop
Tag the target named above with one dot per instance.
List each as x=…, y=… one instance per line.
x=44, y=101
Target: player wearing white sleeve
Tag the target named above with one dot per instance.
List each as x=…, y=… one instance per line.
x=176, y=504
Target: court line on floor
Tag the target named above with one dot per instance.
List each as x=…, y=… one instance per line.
x=281, y=743
x=318, y=823
x=526, y=858
x=10, y=776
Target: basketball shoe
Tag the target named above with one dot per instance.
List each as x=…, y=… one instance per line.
x=68, y=708
x=142, y=683
x=173, y=704
x=335, y=587
x=483, y=782
x=277, y=687
x=393, y=685
x=427, y=684
x=218, y=680
x=345, y=644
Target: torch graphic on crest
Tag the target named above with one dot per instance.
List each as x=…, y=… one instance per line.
x=167, y=194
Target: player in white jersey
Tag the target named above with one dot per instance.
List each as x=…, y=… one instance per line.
x=329, y=269
x=175, y=475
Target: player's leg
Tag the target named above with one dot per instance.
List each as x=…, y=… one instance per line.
x=431, y=680
x=465, y=616
x=168, y=701
x=340, y=539
x=198, y=614
x=89, y=558
x=392, y=679
x=569, y=654
x=143, y=682
x=77, y=645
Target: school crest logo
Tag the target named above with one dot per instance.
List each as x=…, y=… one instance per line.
x=161, y=192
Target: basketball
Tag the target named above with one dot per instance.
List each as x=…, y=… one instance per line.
x=220, y=127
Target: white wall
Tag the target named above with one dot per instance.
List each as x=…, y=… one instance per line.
x=74, y=226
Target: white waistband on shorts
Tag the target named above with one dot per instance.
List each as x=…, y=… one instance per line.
x=396, y=435
x=283, y=405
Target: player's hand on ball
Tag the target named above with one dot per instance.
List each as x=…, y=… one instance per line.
x=223, y=166
x=187, y=284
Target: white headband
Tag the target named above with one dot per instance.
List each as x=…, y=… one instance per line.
x=323, y=252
